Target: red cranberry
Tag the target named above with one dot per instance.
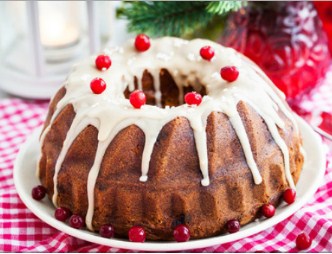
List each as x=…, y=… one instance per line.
x=137, y=99
x=268, y=210
x=233, y=226
x=229, y=73
x=76, y=221
x=97, y=85
x=103, y=62
x=289, y=196
x=137, y=234
x=303, y=241
x=181, y=233
x=326, y=124
x=106, y=231
x=207, y=52
x=38, y=192
x=193, y=98
x=62, y=213
x=142, y=42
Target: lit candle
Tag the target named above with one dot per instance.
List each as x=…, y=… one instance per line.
x=58, y=27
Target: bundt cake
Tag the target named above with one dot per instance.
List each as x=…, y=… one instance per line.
x=168, y=162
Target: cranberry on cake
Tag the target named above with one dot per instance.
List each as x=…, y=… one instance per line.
x=175, y=137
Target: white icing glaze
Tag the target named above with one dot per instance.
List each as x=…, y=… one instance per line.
x=280, y=142
x=110, y=112
x=78, y=125
x=42, y=138
x=303, y=152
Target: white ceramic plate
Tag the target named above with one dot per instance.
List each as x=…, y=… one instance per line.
x=313, y=172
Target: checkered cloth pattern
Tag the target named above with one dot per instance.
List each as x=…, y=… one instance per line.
x=22, y=231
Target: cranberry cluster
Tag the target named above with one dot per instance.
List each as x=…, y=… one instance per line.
x=228, y=73
x=268, y=210
x=104, y=62
x=135, y=234
x=181, y=232
x=137, y=98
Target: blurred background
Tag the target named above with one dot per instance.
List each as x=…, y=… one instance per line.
x=40, y=41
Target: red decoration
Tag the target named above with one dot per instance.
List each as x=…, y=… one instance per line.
x=285, y=39
x=324, y=10
x=106, y=231
x=268, y=210
x=76, y=221
x=103, y=62
x=303, y=241
x=137, y=99
x=289, y=196
x=142, y=42
x=38, y=192
x=98, y=85
x=207, y=52
x=193, y=98
x=229, y=73
x=137, y=234
x=233, y=226
x=326, y=124
x=181, y=233
x=62, y=213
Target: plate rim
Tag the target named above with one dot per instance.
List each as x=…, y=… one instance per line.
x=32, y=205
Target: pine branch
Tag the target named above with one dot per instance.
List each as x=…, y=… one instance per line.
x=174, y=18
x=165, y=18
x=224, y=7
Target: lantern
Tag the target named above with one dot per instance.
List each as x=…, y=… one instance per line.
x=40, y=40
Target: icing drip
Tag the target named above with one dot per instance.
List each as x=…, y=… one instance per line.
x=284, y=149
x=277, y=96
x=244, y=140
x=102, y=146
x=272, y=126
x=78, y=125
x=110, y=112
x=198, y=124
x=42, y=138
x=156, y=83
x=201, y=147
x=150, y=139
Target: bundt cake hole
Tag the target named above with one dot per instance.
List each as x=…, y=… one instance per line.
x=169, y=90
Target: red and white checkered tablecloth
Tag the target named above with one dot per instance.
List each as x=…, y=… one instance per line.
x=22, y=231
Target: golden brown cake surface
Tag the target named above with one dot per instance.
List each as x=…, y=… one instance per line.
x=173, y=192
